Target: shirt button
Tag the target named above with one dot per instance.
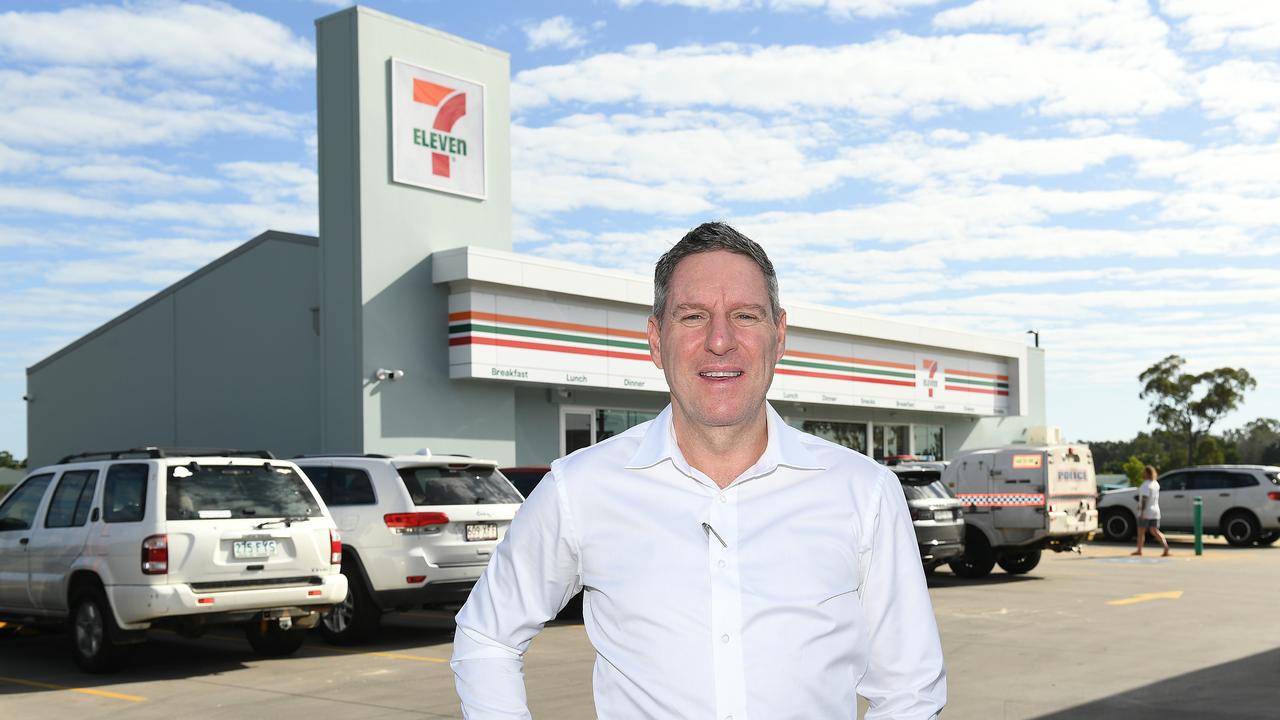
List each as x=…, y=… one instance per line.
x=721, y=564
x=724, y=638
x=724, y=499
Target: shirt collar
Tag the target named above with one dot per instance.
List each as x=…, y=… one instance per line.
x=785, y=446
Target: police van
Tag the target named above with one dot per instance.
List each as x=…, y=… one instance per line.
x=1020, y=500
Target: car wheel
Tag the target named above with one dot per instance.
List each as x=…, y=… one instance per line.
x=93, y=634
x=268, y=640
x=1240, y=529
x=978, y=558
x=356, y=618
x=1118, y=525
x=1268, y=538
x=1019, y=563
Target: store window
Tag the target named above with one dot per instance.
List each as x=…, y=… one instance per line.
x=926, y=441
x=612, y=422
x=890, y=440
x=583, y=427
x=850, y=435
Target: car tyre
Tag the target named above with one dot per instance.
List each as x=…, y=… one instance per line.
x=978, y=557
x=94, y=634
x=1119, y=525
x=1241, y=529
x=1019, y=563
x=268, y=640
x=356, y=618
x=1268, y=538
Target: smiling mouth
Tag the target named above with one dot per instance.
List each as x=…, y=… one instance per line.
x=720, y=374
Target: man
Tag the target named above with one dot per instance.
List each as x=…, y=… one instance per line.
x=734, y=567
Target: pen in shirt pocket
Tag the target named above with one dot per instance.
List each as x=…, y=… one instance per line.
x=706, y=527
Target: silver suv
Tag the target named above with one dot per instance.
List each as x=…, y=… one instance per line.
x=417, y=530
x=116, y=543
x=1240, y=502
x=937, y=515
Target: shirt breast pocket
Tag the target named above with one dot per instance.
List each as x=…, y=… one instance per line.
x=824, y=581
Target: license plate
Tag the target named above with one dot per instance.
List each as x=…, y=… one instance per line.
x=942, y=515
x=481, y=531
x=244, y=549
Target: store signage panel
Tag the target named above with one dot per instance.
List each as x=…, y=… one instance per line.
x=437, y=131
x=504, y=337
x=563, y=343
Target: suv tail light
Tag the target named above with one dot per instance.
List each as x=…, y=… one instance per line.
x=1273, y=496
x=415, y=523
x=155, y=555
x=335, y=547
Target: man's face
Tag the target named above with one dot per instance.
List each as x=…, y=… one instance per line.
x=717, y=344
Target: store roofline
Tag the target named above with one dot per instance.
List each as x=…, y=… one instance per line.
x=266, y=236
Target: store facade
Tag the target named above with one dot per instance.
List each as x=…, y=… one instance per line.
x=412, y=324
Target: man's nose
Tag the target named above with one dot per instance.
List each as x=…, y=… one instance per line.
x=721, y=335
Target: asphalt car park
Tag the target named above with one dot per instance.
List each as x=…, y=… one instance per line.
x=1099, y=634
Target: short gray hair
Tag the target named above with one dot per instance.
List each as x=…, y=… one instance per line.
x=709, y=237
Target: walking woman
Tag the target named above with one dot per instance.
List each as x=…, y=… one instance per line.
x=1149, y=510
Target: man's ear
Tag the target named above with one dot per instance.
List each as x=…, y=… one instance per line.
x=655, y=342
x=782, y=335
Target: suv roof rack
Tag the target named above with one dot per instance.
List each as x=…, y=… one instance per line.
x=157, y=452
x=332, y=455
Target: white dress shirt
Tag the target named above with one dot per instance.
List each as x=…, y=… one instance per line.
x=779, y=596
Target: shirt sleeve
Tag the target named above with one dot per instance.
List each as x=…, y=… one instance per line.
x=532, y=575
x=905, y=677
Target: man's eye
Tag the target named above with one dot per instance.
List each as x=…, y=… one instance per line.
x=692, y=318
x=747, y=317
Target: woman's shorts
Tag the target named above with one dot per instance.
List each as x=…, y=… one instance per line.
x=1152, y=523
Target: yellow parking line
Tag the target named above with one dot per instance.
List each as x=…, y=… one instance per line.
x=1143, y=597
x=86, y=691
x=395, y=656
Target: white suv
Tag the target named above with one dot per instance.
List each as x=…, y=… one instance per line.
x=1239, y=502
x=116, y=543
x=416, y=529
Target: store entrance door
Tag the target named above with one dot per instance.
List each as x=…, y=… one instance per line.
x=575, y=430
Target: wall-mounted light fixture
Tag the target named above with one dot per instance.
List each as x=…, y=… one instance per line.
x=384, y=374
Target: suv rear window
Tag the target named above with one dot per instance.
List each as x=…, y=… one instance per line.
x=922, y=484
x=458, y=486
x=212, y=492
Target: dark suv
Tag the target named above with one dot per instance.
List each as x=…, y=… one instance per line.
x=937, y=515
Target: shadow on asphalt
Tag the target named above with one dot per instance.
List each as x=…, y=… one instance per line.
x=1244, y=688
x=939, y=580
x=30, y=658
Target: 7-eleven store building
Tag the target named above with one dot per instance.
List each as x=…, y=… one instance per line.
x=410, y=323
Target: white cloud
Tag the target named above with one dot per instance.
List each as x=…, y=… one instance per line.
x=1248, y=92
x=183, y=39
x=134, y=176
x=836, y=8
x=243, y=218
x=55, y=107
x=1086, y=23
x=715, y=157
x=557, y=32
x=884, y=78
x=1236, y=24
x=14, y=161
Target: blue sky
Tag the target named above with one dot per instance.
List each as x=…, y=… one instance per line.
x=1106, y=172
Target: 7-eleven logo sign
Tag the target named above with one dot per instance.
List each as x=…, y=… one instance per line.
x=437, y=130
x=930, y=381
x=450, y=109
